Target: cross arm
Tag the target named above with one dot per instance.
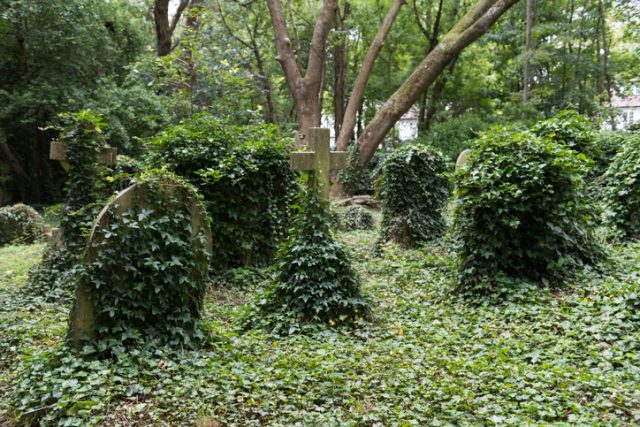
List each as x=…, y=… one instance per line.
x=339, y=160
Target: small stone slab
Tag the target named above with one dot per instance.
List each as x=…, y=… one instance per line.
x=463, y=158
x=82, y=315
x=58, y=151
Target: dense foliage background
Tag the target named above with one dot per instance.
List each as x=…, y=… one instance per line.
x=78, y=54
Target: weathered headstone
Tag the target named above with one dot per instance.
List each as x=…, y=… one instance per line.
x=58, y=151
x=320, y=160
x=83, y=314
x=463, y=158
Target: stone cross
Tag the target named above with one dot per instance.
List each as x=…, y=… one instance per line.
x=320, y=160
x=58, y=151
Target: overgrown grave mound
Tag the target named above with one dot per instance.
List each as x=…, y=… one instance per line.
x=521, y=211
x=20, y=223
x=356, y=217
x=415, y=189
x=145, y=268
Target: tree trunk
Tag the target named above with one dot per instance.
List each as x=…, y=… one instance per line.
x=357, y=94
x=164, y=26
x=605, y=46
x=566, y=47
x=340, y=72
x=474, y=24
x=531, y=6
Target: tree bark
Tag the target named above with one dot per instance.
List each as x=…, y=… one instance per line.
x=164, y=26
x=340, y=72
x=531, y=5
x=474, y=24
x=357, y=94
x=605, y=47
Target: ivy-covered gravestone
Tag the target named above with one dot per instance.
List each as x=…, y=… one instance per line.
x=313, y=280
x=145, y=268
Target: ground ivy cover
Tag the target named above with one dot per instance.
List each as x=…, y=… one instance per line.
x=536, y=356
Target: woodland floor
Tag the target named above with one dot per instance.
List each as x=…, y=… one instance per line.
x=428, y=357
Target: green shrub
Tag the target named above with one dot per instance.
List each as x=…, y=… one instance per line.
x=454, y=135
x=571, y=129
x=607, y=145
x=313, y=280
x=521, y=211
x=622, y=188
x=243, y=174
x=149, y=273
x=415, y=187
x=356, y=218
x=20, y=223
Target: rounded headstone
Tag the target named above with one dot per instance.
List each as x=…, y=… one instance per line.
x=463, y=158
x=83, y=317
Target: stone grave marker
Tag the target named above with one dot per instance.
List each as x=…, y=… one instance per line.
x=58, y=151
x=319, y=160
x=463, y=158
x=83, y=313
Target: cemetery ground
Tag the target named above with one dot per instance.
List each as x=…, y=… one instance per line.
x=429, y=356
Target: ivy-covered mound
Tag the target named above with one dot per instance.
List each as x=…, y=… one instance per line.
x=313, y=280
x=20, y=223
x=147, y=268
x=622, y=188
x=415, y=189
x=243, y=174
x=356, y=217
x=521, y=211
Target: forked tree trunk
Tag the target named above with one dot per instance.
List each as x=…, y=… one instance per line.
x=164, y=26
x=474, y=24
x=305, y=89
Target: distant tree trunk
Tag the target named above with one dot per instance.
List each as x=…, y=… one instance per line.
x=438, y=90
x=164, y=26
x=566, y=47
x=531, y=7
x=14, y=164
x=474, y=24
x=357, y=93
x=340, y=71
x=605, y=46
x=576, y=71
